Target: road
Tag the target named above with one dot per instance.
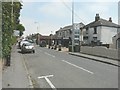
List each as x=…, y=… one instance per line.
x=53, y=69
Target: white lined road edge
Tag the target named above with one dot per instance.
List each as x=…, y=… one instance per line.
x=28, y=75
x=49, y=54
x=78, y=67
x=48, y=81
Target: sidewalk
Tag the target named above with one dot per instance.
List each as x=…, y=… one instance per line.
x=96, y=58
x=0, y=74
x=64, y=49
x=15, y=75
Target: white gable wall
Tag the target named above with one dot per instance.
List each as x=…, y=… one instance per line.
x=91, y=34
x=107, y=33
x=104, y=34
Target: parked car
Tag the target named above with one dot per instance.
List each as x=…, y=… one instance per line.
x=30, y=41
x=28, y=47
x=22, y=42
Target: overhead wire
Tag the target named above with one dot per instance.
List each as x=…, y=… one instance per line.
x=71, y=11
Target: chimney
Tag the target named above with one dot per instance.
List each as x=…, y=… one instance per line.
x=97, y=17
x=110, y=19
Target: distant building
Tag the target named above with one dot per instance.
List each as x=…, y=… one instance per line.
x=116, y=41
x=64, y=34
x=49, y=40
x=100, y=32
x=119, y=12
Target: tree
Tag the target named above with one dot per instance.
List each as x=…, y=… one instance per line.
x=10, y=22
x=21, y=28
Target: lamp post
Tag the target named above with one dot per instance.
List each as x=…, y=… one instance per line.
x=81, y=37
x=38, y=37
x=51, y=38
x=73, y=26
x=11, y=18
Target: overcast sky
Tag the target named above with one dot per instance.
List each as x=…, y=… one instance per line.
x=44, y=16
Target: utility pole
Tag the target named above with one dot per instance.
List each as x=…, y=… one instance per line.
x=51, y=38
x=73, y=26
x=81, y=37
x=38, y=37
x=12, y=18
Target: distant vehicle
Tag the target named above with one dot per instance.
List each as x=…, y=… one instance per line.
x=22, y=42
x=43, y=44
x=28, y=47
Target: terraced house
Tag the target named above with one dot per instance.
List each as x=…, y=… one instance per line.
x=65, y=34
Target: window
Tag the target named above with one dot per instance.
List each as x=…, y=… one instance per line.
x=87, y=30
x=76, y=41
x=76, y=32
x=85, y=38
x=118, y=43
x=95, y=30
x=76, y=36
x=94, y=38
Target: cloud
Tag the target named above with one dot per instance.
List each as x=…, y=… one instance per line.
x=55, y=15
x=88, y=11
x=43, y=28
x=46, y=0
x=96, y=0
x=70, y=0
x=55, y=9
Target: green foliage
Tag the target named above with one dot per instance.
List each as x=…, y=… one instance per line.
x=10, y=22
x=21, y=28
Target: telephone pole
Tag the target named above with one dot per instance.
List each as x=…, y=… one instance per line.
x=72, y=25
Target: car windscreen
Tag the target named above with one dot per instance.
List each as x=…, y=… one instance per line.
x=28, y=44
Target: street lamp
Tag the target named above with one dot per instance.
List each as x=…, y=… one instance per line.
x=11, y=18
x=81, y=37
x=73, y=26
x=51, y=38
x=38, y=37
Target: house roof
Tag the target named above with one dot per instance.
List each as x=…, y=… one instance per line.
x=69, y=27
x=102, y=22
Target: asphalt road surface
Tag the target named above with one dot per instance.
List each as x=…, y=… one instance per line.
x=53, y=69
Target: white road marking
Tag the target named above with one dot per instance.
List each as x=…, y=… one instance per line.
x=48, y=81
x=78, y=67
x=49, y=54
x=45, y=76
x=28, y=75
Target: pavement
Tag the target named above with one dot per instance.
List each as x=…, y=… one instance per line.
x=15, y=75
x=96, y=58
x=0, y=74
x=92, y=57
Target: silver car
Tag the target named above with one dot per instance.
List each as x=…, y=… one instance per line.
x=28, y=47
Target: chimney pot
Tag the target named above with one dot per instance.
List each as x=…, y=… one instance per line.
x=97, y=17
x=110, y=19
